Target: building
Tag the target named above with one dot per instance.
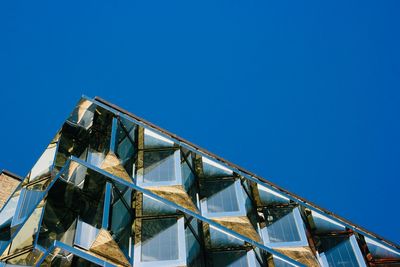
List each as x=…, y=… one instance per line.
x=114, y=190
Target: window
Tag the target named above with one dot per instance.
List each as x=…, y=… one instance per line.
x=230, y=259
x=85, y=234
x=219, y=238
x=223, y=198
x=278, y=262
x=121, y=218
x=159, y=240
x=324, y=224
x=284, y=228
x=214, y=169
x=8, y=211
x=159, y=166
x=151, y=206
x=44, y=164
x=269, y=196
x=162, y=243
x=380, y=251
x=95, y=158
x=27, y=203
x=155, y=140
x=341, y=251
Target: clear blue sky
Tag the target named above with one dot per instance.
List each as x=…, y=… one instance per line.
x=303, y=93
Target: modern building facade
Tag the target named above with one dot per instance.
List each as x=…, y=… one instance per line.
x=114, y=190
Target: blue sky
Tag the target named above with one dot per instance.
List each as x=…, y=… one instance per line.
x=303, y=93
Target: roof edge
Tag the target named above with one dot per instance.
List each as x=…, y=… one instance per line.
x=12, y=175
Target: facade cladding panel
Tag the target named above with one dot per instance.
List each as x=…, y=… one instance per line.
x=114, y=190
x=8, y=184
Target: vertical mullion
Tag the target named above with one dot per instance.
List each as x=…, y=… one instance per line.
x=114, y=129
x=107, y=204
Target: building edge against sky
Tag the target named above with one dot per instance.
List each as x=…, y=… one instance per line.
x=114, y=189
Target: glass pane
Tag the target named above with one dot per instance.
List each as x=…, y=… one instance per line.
x=154, y=140
x=282, y=226
x=121, y=218
x=29, y=258
x=325, y=224
x=85, y=234
x=155, y=207
x=193, y=249
x=281, y=263
x=230, y=259
x=83, y=114
x=125, y=146
x=221, y=239
x=188, y=177
x=339, y=252
x=8, y=211
x=380, y=251
x=60, y=213
x=63, y=258
x=159, y=166
x=221, y=196
x=44, y=164
x=26, y=235
x=214, y=169
x=28, y=201
x=95, y=158
x=269, y=196
x=159, y=239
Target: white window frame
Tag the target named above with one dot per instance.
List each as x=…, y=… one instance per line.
x=181, y=261
x=240, y=198
x=300, y=228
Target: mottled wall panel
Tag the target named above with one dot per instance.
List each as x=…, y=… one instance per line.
x=8, y=183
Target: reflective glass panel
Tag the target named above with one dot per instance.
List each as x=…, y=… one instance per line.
x=159, y=166
x=282, y=226
x=221, y=196
x=230, y=259
x=339, y=252
x=159, y=239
